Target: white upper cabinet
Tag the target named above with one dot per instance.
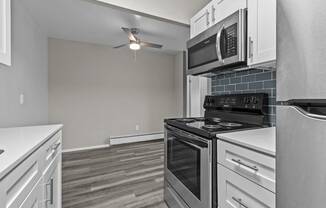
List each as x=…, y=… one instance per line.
x=5, y=32
x=212, y=13
x=200, y=22
x=261, y=31
x=224, y=8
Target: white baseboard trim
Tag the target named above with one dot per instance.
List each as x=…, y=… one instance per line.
x=85, y=148
x=136, y=138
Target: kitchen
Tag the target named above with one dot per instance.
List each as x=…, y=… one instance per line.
x=236, y=91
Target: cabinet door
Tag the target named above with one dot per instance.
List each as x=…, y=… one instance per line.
x=5, y=32
x=52, y=189
x=235, y=191
x=200, y=22
x=35, y=198
x=17, y=185
x=261, y=31
x=224, y=8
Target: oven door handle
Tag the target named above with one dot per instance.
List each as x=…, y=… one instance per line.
x=190, y=144
x=187, y=140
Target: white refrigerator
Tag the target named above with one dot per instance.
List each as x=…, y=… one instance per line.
x=301, y=110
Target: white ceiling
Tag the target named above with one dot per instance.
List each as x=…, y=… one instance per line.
x=84, y=20
x=175, y=10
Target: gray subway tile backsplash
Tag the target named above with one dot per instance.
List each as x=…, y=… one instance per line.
x=249, y=81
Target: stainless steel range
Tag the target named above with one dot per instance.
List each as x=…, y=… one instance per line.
x=190, y=147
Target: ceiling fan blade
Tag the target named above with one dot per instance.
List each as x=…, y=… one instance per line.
x=120, y=46
x=150, y=45
x=129, y=33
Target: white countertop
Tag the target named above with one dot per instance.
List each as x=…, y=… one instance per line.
x=262, y=140
x=18, y=143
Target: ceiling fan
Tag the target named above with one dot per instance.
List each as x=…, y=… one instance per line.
x=134, y=42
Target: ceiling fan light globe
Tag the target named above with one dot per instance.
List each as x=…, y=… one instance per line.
x=134, y=46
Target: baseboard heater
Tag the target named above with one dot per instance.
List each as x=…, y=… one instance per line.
x=135, y=138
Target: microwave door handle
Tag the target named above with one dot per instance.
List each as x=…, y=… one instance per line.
x=218, y=44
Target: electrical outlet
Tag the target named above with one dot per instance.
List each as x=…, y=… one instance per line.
x=137, y=127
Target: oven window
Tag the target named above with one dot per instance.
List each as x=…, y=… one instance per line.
x=202, y=53
x=183, y=160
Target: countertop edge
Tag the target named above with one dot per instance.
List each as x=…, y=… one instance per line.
x=247, y=145
x=16, y=163
x=227, y=137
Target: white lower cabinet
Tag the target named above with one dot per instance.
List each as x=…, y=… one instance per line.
x=235, y=191
x=35, y=198
x=36, y=182
x=52, y=188
x=255, y=166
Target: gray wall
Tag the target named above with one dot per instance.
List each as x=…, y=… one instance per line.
x=28, y=73
x=98, y=92
x=179, y=83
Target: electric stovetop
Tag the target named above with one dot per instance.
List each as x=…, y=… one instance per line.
x=209, y=127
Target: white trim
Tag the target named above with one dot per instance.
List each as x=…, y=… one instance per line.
x=86, y=148
x=135, y=138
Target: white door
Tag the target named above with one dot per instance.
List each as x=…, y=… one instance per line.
x=200, y=22
x=261, y=31
x=5, y=32
x=224, y=8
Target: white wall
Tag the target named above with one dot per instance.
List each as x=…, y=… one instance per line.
x=98, y=92
x=28, y=73
x=176, y=10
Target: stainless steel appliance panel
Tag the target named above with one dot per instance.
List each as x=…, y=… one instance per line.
x=301, y=49
x=188, y=167
x=222, y=45
x=300, y=158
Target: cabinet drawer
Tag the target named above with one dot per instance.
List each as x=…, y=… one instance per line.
x=51, y=149
x=17, y=185
x=257, y=167
x=35, y=198
x=236, y=191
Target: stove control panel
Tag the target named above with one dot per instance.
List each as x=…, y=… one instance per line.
x=253, y=101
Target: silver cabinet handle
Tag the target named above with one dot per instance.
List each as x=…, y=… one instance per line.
x=51, y=192
x=244, y=164
x=251, y=48
x=239, y=201
x=213, y=14
x=207, y=18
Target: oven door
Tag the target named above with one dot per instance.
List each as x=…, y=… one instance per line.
x=188, y=167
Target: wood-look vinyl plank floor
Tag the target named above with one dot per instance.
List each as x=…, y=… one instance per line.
x=122, y=176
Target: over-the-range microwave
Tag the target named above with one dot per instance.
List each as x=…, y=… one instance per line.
x=222, y=46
